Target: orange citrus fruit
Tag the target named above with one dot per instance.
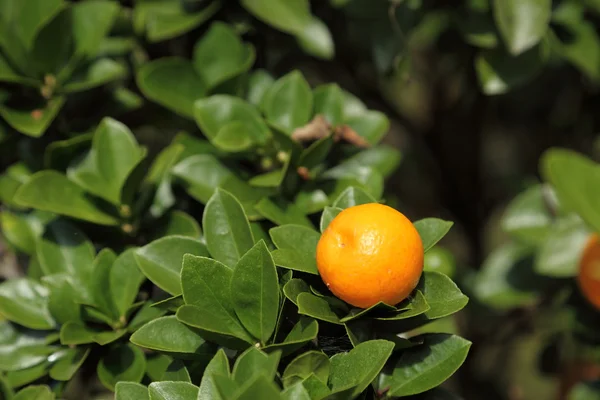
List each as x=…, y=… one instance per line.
x=588, y=277
x=370, y=253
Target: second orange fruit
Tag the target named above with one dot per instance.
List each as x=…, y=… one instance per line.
x=370, y=253
x=588, y=277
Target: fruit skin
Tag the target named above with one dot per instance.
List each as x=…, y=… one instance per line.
x=370, y=253
x=588, y=277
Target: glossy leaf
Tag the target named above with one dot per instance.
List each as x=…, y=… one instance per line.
x=206, y=285
x=173, y=83
x=131, y=390
x=122, y=363
x=329, y=213
x=52, y=191
x=167, y=334
x=217, y=112
x=316, y=307
x=125, y=281
x=35, y=392
x=527, y=217
x=289, y=102
x=522, y=23
x=255, y=292
x=68, y=364
x=288, y=16
x=161, y=260
x=432, y=230
x=219, y=365
x=371, y=356
x=301, y=367
x=426, y=366
x=172, y=391
x=296, y=248
x=254, y=362
x=353, y=196
x=281, y=215
x=220, y=55
x=226, y=228
x=32, y=122
x=560, y=255
x=371, y=125
x=305, y=330
x=26, y=303
x=574, y=178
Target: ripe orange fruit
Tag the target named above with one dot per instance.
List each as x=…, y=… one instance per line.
x=370, y=253
x=588, y=277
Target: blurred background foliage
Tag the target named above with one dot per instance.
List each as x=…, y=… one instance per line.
x=475, y=92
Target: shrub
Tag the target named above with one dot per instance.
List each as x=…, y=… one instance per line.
x=178, y=261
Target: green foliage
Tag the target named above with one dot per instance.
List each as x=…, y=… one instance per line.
x=173, y=255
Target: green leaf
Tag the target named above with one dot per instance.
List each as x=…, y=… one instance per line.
x=112, y=158
x=176, y=371
x=293, y=288
x=560, y=254
x=74, y=333
x=384, y=159
x=574, y=179
x=26, y=350
x=254, y=362
x=35, y=392
x=99, y=72
x=166, y=19
x=170, y=304
x=329, y=213
x=179, y=223
x=495, y=284
x=68, y=363
x=432, y=230
x=100, y=282
x=442, y=295
x=173, y=83
x=22, y=230
x=527, y=217
x=289, y=102
x=259, y=388
x=31, y=16
x=317, y=307
x=522, y=23
x=585, y=391
x=255, y=292
x=91, y=22
x=161, y=260
x=353, y=196
x=316, y=153
x=167, y=334
x=316, y=388
x=582, y=45
x=65, y=249
x=329, y=102
x=286, y=214
x=426, y=366
x=439, y=259
x=26, y=376
x=219, y=365
x=418, y=306
x=217, y=112
x=499, y=73
x=52, y=191
x=221, y=55
x=172, y=391
x=259, y=82
x=316, y=39
x=301, y=367
x=131, y=390
x=32, y=122
x=59, y=153
x=359, y=367
x=311, y=201
x=305, y=330
x=226, y=228
x=371, y=125
x=124, y=362
x=125, y=281
x=148, y=312
x=295, y=392
x=288, y=16
x=296, y=248
x=25, y=302
x=215, y=326
x=366, y=178
x=62, y=300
